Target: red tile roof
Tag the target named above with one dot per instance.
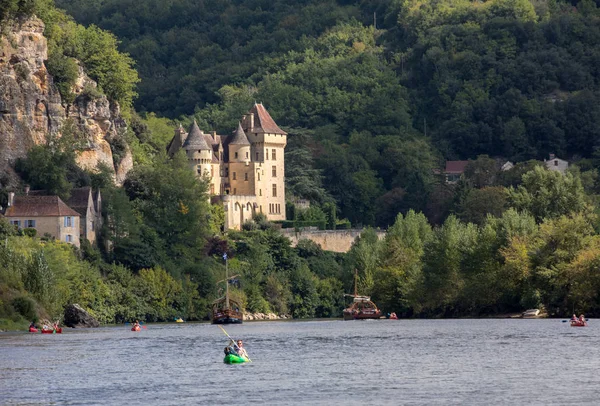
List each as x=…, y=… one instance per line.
x=263, y=123
x=455, y=166
x=39, y=206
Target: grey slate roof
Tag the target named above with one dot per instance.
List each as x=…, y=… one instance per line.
x=195, y=139
x=239, y=137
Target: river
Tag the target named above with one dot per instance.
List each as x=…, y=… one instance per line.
x=330, y=362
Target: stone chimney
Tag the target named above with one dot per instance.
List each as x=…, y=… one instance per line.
x=11, y=198
x=251, y=122
x=214, y=135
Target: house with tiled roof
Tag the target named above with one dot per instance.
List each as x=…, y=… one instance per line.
x=48, y=215
x=245, y=169
x=88, y=204
x=454, y=170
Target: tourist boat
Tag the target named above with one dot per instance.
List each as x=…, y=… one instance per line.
x=362, y=307
x=578, y=323
x=234, y=359
x=52, y=331
x=226, y=310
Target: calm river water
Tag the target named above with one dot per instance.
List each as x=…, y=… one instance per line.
x=381, y=362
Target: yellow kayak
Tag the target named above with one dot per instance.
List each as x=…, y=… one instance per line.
x=179, y=320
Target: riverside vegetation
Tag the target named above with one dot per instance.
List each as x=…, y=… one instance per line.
x=371, y=113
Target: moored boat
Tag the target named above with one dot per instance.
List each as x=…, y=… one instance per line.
x=362, y=307
x=234, y=359
x=226, y=310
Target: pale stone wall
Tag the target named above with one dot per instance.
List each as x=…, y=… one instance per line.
x=53, y=226
x=329, y=240
x=238, y=209
x=272, y=206
x=243, y=184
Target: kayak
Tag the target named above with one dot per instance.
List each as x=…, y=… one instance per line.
x=234, y=359
x=137, y=328
x=33, y=330
x=52, y=331
x=179, y=321
x=578, y=323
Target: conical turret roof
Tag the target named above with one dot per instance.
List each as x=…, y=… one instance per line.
x=239, y=137
x=195, y=139
x=263, y=122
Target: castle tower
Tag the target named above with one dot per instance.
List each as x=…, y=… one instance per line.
x=199, y=153
x=267, y=144
x=241, y=174
x=177, y=141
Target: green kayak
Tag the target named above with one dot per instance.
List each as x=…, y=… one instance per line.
x=234, y=359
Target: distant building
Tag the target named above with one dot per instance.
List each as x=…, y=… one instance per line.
x=89, y=206
x=454, y=170
x=556, y=164
x=507, y=166
x=245, y=169
x=46, y=214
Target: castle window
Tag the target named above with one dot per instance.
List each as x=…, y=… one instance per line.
x=555, y=163
x=261, y=208
x=69, y=221
x=234, y=191
x=236, y=155
x=234, y=177
x=257, y=156
x=16, y=223
x=274, y=190
x=69, y=238
x=267, y=154
x=247, y=154
x=29, y=223
x=274, y=172
x=246, y=176
x=260, y=192
x=273, y=157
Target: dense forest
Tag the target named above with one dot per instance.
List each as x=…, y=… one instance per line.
x=375, y=96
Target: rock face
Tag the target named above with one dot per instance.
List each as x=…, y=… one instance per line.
x=31, y=107
x=76, y=317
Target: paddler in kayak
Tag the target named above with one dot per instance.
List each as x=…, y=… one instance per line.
x=241, y=351
x=32, y=325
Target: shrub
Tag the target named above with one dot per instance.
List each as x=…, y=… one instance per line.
x=25, y=307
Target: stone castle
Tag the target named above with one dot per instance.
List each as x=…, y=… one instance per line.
x=245, y=170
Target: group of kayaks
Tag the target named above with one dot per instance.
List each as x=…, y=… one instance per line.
x=46, y=331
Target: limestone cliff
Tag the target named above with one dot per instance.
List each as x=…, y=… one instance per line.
x=31, y=107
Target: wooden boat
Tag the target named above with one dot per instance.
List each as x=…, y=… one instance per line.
x=578, y=323
x=361, y=307
x=226, y=310
x=52, y=331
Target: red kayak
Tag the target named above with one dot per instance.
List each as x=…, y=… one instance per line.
x=137, y=328
x=57, y=331
x=578, y=323
x=33, y=330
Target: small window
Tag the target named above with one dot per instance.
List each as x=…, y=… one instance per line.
x=273, y=155
x=260, y=192
x=236, y=155
x=247, y=154
x=246, y=176
x=257, y=156
x=30, y=223
x=274, y=190
x=267, y=154
x=69, y=238
x=258, y=174
x=16, y=223
x=555, y=163
x=274, y=171
x=69, y=220
x=93, y=225
x=234, y=176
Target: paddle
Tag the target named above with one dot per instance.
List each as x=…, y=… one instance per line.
x=233, y=341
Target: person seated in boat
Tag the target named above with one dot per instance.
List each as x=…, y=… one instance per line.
x=45, y=327
x=228, y=350
x=55, y=326
x=582, y=319
x=241, y=351
x=574, y=318
x=136, y=325
x=32, y=325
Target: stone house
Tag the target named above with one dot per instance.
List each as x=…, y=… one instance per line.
x=46, y=214
x=556, y=164
x=245, y=169
x=89, y=206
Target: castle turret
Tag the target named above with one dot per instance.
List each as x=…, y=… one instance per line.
x=199, y=153
x=177, y=141
x=239, y=146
